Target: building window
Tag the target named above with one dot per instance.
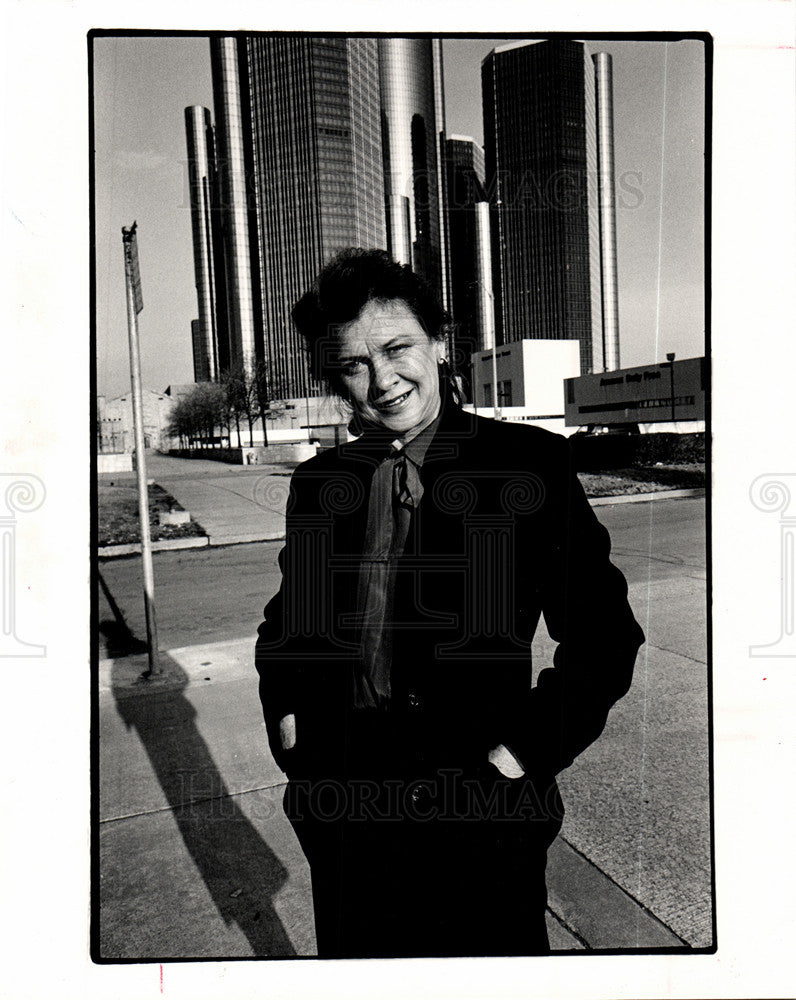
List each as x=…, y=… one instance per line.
x=487, y=394
x=504, y=393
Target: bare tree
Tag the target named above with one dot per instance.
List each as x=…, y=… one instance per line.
x=198, y=415
x=233, y=382
x=262, y=392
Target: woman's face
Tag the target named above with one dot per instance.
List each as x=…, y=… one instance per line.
x=387, y=367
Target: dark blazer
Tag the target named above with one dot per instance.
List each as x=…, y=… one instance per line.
x=503, y=535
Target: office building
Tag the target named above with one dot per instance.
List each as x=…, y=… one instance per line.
x=463, y=169
x=318, y=179
x=236, y=211
x=541, y=150
x=525, y=381
x=320, y=144
x=201, y=362
x=300, y=177
x=410, y=72
x=209, y=331
x=603, y=70
x=645, y=397
x=439, y=113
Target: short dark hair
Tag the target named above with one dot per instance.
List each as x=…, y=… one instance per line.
x=342, y=289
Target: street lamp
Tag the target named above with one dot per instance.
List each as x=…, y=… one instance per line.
x=670, y=359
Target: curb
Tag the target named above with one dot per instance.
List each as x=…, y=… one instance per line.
x=166, y=544
x=218, y=541
x=647, y=497
x=203, y=542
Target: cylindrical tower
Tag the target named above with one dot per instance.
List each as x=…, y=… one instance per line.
x=483, y=270
x=409, y=145
x=233, y=183
x=198, y=131
x=439, y=112
x=605, y=158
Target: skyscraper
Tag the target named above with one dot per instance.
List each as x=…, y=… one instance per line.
x=541, y=174
x=463, y=162
x=201, y=367
x=411, y=99
x=210, y=329
x=235, y=216
x=318, y=180
x=603, y=71
x=321, y=144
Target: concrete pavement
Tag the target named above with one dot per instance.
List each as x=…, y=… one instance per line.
x=197, y=859
x=233, y=503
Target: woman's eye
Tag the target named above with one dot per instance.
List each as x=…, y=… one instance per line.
x=396, y=348
x=351, y=367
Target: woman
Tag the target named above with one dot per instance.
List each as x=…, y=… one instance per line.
x=395, y=668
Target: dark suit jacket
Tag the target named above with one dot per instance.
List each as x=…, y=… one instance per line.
x=503, y=535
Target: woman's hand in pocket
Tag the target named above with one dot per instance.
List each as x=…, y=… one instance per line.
x=287, y=731
x=504, y=760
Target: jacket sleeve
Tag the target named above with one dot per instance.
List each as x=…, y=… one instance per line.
x=586, y=611
x=277, y=675
x=278, y=650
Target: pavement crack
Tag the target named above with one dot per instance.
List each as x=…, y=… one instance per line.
x=200, y=800
x=569, y=928
x=243, y=496
x=676, y=652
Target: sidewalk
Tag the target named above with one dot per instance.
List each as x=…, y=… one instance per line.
x=196, y=857
x=233, y=503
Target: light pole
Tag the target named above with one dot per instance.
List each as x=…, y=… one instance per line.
x=135, y=303
x=670, y=359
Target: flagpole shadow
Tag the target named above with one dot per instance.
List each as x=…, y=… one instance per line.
x=240, y=871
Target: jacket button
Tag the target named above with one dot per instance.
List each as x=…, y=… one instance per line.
x=414, y=701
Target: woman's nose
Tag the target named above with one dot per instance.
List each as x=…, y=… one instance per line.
x=383, y=375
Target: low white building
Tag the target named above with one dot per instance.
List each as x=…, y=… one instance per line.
x=115, y=433
x=530, y=381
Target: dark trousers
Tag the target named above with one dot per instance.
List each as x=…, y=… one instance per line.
x=412, y=861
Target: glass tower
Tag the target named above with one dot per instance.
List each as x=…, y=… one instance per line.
x=203, y=185
x=235, y=210
x=606, y=357
x=323, y=143
x=317, y=174
x=541, y=169
x=463, y=162
x=410, y=98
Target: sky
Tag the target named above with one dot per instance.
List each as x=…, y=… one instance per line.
x=143, y=84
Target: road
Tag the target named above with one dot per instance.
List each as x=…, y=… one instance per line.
x=637, y=800
x=208, y=595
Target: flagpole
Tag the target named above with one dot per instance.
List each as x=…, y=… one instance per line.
x=134, y=306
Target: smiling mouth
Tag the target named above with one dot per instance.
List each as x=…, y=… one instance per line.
x=394, y=404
